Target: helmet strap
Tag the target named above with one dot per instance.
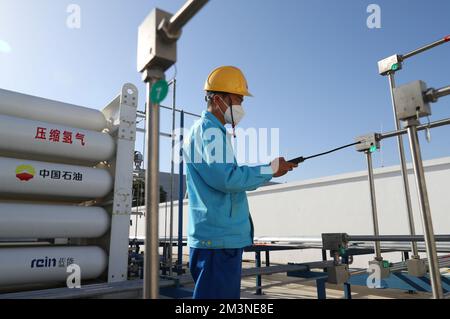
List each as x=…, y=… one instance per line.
x=232, y=120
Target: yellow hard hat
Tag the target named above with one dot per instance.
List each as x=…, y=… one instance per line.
x=227, y=79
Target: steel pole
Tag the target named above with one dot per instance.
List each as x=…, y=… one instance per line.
x=404, y=169
x=396, y=238
x=425, y=48
x=180, y=197
x=442, y=92
x=433, y=95
x=151, y=257
x=373, y=202
x=172, y=172
x=189, y=9
x=425, y=212
x=422, y=127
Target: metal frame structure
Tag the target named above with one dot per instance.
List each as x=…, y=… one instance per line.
x=388, y=67
x=123, y=112
x=355, y=246
x=168, y=258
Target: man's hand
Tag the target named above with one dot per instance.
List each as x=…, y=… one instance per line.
x=280, y=167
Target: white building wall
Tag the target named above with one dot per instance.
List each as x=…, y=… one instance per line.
x=337, y=204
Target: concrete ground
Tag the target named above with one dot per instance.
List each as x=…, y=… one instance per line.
x=280, y=286
x=290, y=289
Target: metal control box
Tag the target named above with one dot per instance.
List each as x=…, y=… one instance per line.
x=368, y=142
x=334, y=241
x=390, y=64
x=153, y=51
x=410, y=101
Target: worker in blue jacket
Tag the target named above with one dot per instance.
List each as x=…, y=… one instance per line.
x=220, y=224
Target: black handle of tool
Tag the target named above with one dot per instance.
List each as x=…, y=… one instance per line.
x=301, y=159
x=297, y=160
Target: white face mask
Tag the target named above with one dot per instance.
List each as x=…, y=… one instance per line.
x=238, y=114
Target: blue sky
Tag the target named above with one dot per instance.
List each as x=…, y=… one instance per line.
x=312, y=65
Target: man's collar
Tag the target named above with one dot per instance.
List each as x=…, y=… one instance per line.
x=214, y=119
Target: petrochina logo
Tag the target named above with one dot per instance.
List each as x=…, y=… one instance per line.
x=25, y=172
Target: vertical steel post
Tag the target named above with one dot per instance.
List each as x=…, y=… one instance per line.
x=172, y=172
x=321, y=288
x=405, y=255
x=373, y=203
x=404, y=169
x=258, y=277
x=347, y=286
x=324, y=258
x=425, y=212
x=180, y=196
x=151, y=257
x=267, y=258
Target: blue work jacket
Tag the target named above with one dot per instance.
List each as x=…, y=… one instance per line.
x=219, y=215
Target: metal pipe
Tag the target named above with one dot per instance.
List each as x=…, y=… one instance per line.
x=442, y=91
x=352, y=238
x=172, y=172
x=397, y=267
x=179, y=19
x=142, y=130
x=419, y=128
x=398, y=245
x=433, y=95
x=396, y=238
x=180, y=197
x=142, y=114
x=425, y=48
x=373, y=202
x=289, y=239
x=404, y=170
x=258, y=277
x=435, y=276
x=151, y=257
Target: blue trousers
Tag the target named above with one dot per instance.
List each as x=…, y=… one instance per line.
x=216, y=273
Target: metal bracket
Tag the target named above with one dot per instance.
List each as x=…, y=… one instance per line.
x=416, y=267
x=385, y=272
x=128, y=105
x=122, y=205
x=129, y=95
x=168, y=36
x=338, y=274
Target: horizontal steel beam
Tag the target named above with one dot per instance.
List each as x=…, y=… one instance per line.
x=432, y=95
x=141, y=130
x=352, y=238
x=395, y=238
x=419, y=128
x=425, y=48
x=141, y=114
x=186, y=13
